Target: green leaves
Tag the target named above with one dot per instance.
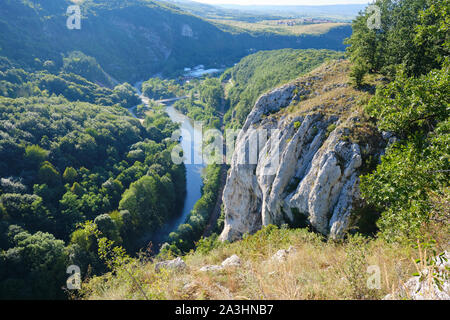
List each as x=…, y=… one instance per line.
x=417, y=110
x=158, y=89
x=35, y=155
x=414, y=33
x=409, y=105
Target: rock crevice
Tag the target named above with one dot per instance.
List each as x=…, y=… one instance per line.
x=313, y=182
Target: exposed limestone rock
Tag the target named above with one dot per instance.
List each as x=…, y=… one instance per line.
x=415, y=289
x=314, y=181
x=282, y=255
x=225, y=291
x=186, y=31
x=232, y=261
x=175, y=264
x=211, y=268
x=190, y=286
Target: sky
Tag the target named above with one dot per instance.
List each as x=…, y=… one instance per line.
x=284, y=2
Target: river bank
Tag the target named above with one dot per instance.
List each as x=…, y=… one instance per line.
x=191, y=144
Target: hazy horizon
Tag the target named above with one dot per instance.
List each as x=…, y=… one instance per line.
x=282, y=2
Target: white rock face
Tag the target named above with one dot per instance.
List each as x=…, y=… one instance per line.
x=175, y=264
x=314, y=181
x=186, y=31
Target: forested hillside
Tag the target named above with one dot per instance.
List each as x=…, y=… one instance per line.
x=74, y=161
x=132, y=39
x=64, y=163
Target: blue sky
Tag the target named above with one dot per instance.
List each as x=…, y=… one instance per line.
x=284, y=2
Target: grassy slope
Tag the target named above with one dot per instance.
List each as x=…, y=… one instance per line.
x=316, y=270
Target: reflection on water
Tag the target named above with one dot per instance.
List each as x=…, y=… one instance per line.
x=191, y=144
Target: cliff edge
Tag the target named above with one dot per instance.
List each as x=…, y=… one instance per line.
x=320, y=141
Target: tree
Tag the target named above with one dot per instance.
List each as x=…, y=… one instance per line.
x=211, y=93
x=126, y=94
x=35, y=155
x=50, y=66
x=401, y=186
x=433, y=32
x=71, y=213
x=108, y=228
x=70, y=175
x=410, y=104
x=417, y=110
x=48, y=175
x=141, y=200
x=39, y=263
x=77, y=189
x=412, y=33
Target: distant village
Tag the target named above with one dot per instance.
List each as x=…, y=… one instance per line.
x=302, y=21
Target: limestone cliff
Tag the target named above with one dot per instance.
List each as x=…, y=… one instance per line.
x=309, y=123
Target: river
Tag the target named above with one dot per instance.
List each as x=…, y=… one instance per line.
x=193, y=171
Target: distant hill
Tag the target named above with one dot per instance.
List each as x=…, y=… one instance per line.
x=135, y=38
x=344, y=12
x=252, y=13
x=218, y=12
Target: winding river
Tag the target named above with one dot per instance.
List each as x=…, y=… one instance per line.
x=191, y=144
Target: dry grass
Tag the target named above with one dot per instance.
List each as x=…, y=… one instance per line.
x=331, y=91
x=316, y=270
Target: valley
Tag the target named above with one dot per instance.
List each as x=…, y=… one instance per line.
x=173, y=150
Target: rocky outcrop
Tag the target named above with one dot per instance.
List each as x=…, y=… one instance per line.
x=305, y=172
x=231, y=262
x=176, y=264
x=282, y=255
x=211, y=268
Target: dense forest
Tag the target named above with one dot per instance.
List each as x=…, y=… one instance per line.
x=72, y=155
x=71, y=82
